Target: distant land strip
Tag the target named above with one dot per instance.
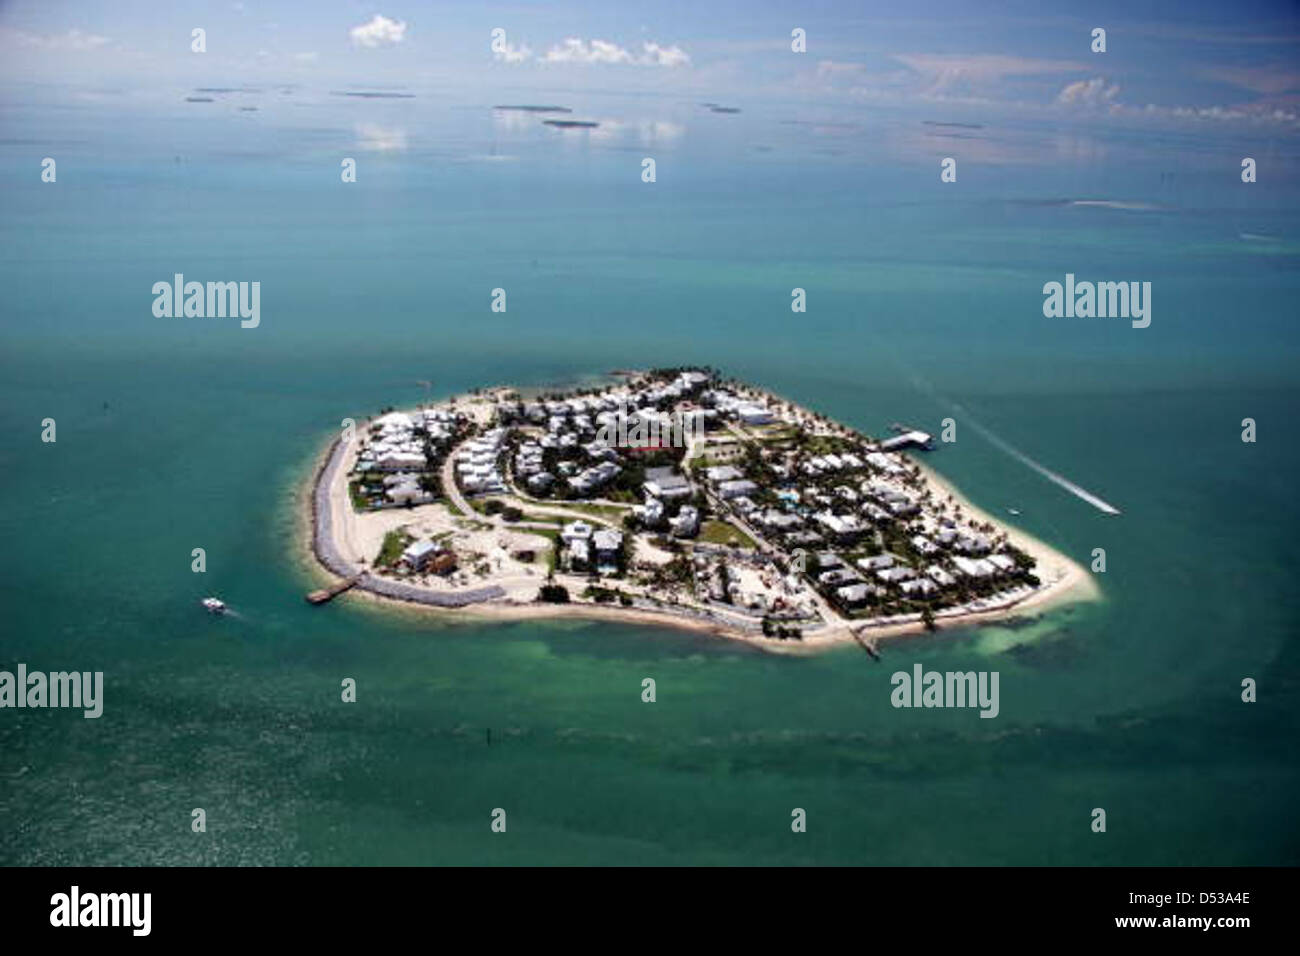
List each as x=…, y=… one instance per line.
x=529, y=108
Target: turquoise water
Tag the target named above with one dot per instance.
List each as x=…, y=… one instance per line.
x=183, y=433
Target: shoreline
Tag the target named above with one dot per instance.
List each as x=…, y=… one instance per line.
x=316, y=528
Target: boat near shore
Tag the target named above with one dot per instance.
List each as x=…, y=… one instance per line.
x=214, y=605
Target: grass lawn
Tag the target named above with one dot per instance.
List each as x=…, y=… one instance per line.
x=610, y=513
x=359, y=501
x=776, y=433
x=395, y=543
x=720, y=532
x=721, y=455
x=553, y=553
x=539, y=519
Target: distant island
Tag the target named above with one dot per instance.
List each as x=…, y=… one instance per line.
x=952, y=125
x=535, y=109
x=670, y=496
x=571, y=124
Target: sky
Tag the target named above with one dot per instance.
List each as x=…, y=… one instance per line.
x=1205, y=65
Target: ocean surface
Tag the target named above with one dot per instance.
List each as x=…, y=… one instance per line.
x=924, y=301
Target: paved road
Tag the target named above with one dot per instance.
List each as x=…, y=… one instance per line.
x=449, y=486
x=452, y=491
x=829, y=615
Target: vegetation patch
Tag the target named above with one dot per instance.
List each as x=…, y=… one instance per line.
x=395, y=542
x=720, y=532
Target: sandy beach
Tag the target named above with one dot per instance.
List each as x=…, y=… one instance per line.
x=328, y=539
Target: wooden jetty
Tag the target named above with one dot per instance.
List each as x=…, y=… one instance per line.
x=334, y=590
x=867, y=645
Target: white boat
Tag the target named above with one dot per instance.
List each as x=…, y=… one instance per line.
x=1014, y=511
x=214, y=605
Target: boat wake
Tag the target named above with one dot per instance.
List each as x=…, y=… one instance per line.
x=1077, y=490
x=1116, y=204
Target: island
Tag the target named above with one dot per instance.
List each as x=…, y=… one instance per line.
x=533, y=108
x=375, y=94
x=673, y=497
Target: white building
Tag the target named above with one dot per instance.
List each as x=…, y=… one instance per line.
x=650, y=513
x=1003, y=562
x=919, y=586
x=736, y=489
x=939, y=576
x=687, y=522
x=406, y=491
x=418, y=553
x=895, y=574
x=924, y=544
x=663, y=483
x=606, y=543
x=855, y=593
x=575, y=531
x=974, y=567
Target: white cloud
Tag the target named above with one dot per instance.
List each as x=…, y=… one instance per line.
x=969, y=73
x=576, y=50
x=646, y=132
x=652, y=132
x=1269, y=80
x=1235, y=114
x=74, y=40
x=669, y=56
x=512, y=54
x=380, y=138
x=1094, y=92
x=832, y=68
x=380, y=31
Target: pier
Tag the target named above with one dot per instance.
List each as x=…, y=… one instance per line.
x=906, y=438
x=333, y=591
x=868, y=645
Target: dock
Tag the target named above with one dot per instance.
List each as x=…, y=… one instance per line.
x=333, y=591
x=907, y=438
x=868, y=645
